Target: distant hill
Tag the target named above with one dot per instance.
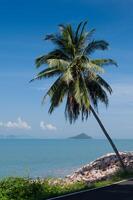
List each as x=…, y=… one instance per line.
x=81, y=136
x=15, y=136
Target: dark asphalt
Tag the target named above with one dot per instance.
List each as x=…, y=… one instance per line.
x=121, y=191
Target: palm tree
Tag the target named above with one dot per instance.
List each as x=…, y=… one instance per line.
x=78, y=76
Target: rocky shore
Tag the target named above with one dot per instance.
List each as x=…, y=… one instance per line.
x=102, y=168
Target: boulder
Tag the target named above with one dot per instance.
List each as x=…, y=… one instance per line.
x=102, y=168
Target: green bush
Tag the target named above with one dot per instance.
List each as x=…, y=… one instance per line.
x=20, y=189
x=24, y=189
x=53, y=190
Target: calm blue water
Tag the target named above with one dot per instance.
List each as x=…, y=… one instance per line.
x=51, y=157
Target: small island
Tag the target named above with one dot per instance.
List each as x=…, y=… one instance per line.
x=81, y=136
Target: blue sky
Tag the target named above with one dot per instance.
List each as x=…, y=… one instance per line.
x=23, y=27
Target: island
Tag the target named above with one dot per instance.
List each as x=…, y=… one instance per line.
x=81, y=136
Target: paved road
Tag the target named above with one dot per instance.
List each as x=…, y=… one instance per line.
x=121, y=191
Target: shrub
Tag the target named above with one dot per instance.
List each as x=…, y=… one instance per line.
x=16, y=188
x=53, y=190
x=20, y=189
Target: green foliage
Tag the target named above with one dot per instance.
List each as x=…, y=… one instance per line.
x=25, y=189
x=78, y=75
x=53, y=190
x=20, y=189
x=119, y=176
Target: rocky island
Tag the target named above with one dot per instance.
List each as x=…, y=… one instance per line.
x=81, y=136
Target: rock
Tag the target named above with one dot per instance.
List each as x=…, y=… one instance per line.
x=102, y=168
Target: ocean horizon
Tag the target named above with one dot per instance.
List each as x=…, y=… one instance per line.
x=52, y=157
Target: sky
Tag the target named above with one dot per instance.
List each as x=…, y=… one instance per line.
x=23, y=25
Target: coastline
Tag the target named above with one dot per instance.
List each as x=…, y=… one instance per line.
x=47, y=188
x=56, y=158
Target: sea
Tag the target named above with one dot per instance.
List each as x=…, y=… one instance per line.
x=52, y=157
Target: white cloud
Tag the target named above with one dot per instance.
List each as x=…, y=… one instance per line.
x=50, y=127
x=19, y=124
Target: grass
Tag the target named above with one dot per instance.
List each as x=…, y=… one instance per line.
x=119, y=176
x=16, y=188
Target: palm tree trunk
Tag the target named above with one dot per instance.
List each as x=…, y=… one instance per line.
x=109, y=139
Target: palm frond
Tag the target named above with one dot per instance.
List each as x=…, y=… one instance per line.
x=83, y=28
x=77, y=31
x=94, y=68
x=57, y=40
x=77, y=91
x=58, y=95
x=85, y=96
x=96, y=45
x=49, y=72
x=56, y=54
x=72, y=110
x=81, y=38
x=103, y=83
x=62, y=64
x=62, y=27
x=52, y=89
x=67, y=76
x=78, y=101
x=104, y=62
x=40, y=61
x=96, y=92
x=86, y=37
